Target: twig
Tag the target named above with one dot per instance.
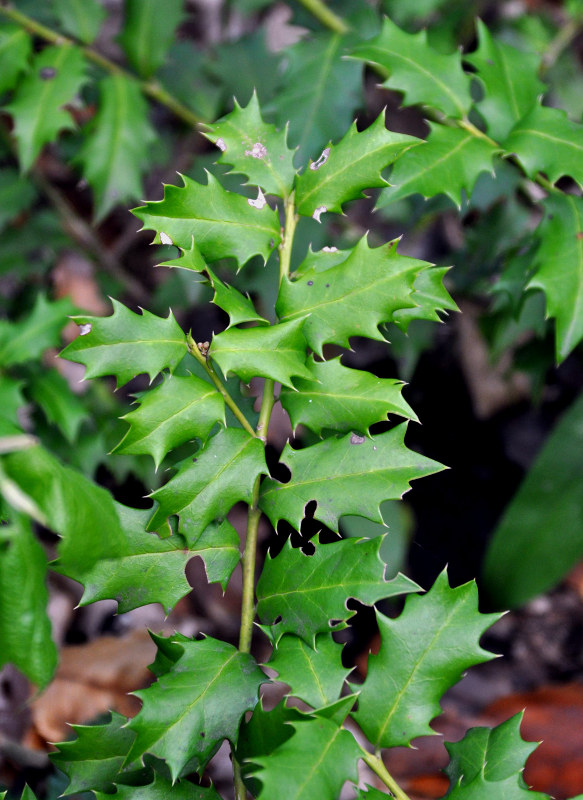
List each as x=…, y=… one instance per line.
x=324, y=15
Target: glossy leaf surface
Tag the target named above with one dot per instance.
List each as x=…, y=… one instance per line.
x=26, y=338
x=422, y=74
x=180, y=409
x=148, y=32
x=15, y=48
x=301, y=594
x=56, y=76
x=126, y=344
x=423, y=653
x=160, y=789
x=224, y=224
x=347, y=476
x=238, y=306
x=81, y=19
x=343, y=399
x=222, y=473
x=277, y=352
x=195, y=705
x=345, y=169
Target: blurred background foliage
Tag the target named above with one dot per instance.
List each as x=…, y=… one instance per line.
x=103, y=102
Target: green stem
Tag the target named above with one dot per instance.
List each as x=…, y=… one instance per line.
x=323, y=14
x=151, y=88
x=194, y=351
x=378, y=767
x=561, y=41
x=285, y=248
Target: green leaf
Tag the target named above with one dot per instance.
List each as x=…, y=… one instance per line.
x=254, y=148
x=15, y=49
x=510, y=80
x=25, y=629
x=81, y=19
x=347, y=476
x=180, y=409
x=219, y=547
x=197, y=704
x=60, y=406
x=189, y=258
x=304, y=593
x=352, y=298
x=345, y=169
x=27, y=338
x=430, y=297
x=342, y=399
x=423, y=653
x=422, y=74
x=116, y=149
x=126, y=344
x=160, y=789
x=95, y=758
x=315, y=762
x=559, y=268
x=208, y=486
x=277, y=352
x=238, y=306
x=523, y=558
x=490, y=757
x=449, y=162
x=11, y=400
x=315, y=675
x=371, y=794
x=319, y=93
x=148, y=32
x=145, y=569
x=546, y=140
x=38, y=105
x=67, y=503
x=224, y=224
x=17, y=194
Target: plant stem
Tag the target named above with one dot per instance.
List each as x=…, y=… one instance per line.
x=561, y=41
x=151, y=88
x=378, y=767
x=285, y=248
x=323, y=14
x=194, y=351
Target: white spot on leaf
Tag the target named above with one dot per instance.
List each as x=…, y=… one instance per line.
x=322, y=160
x=260, y=202
x=85, y=329
x=318, y=213
x=329, y=249
x=165, y=239
x=257, y=151
x=220, y=143
x=356, y=439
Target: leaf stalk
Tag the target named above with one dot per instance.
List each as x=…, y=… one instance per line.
x=324, y=15
x=376, y=763
x=285, y=248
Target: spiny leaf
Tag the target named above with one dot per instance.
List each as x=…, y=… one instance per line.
x=189, y=258
x=314, y=674
x=491, y=757
x=510, y=82
x=218, y=546
x=342, y=399
x=115, y=151
x=197, y=704
x=423, y=653
x=546, y=140
x=222, y=473
x=371, y=794
x=347, y=476
x=160, y=789
x=82, y=20
x=224, y=224
x=449, y=162
x=277, y=352
x=255, y=148
x=56, y=76
x=126, y=344
x=315, y=762
x=25, y=629
x=95, y=758
x=148, y=32
x=180, y=409
x=418, y=71
x=304, y=593
x=345, y=169
x=26, y=339
x=319, y=93
x=15, y=48
x=430, y=296
x=239, y=307
x=559, y=268
x=60, y=406
x=352, y=298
